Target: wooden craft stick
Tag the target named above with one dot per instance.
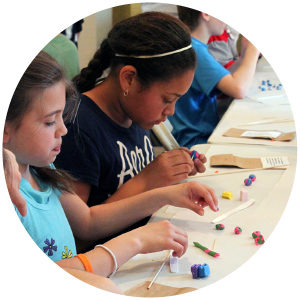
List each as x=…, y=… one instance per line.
x=162, y=265
x=238, y=171
x=214, y=244
x=235, y=210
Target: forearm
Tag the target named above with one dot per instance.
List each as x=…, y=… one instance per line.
x=124, y=247
x=245, y=71
x=95, y=280
x=132, y=187
x=110, y=218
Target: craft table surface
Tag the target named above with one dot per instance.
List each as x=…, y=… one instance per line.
x=271, y=108
x=270, y=190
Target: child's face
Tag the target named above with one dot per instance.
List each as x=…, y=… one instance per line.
x=38, y=139
x=153, y=105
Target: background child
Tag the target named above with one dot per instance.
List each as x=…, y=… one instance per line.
x=151, y=64
x=196, y=113
x=33, y=130
x=65, y=53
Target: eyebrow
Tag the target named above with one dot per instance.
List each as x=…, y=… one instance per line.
x=53, y=113
x=175, y=94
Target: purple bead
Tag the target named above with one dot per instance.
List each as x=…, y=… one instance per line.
x=194, y=270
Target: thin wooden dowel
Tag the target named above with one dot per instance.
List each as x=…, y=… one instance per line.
x=213, y=246
x=238, y=171
x=162, y=265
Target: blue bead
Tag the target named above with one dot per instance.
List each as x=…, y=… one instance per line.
x=247, y=181
x=252, y=177
x=203, y=271
x=195, y=154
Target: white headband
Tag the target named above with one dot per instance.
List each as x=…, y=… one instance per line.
x=155, y=55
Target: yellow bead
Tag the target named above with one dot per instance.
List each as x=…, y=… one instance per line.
x=227, y=195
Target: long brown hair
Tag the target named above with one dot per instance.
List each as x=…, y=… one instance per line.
x=42, y=73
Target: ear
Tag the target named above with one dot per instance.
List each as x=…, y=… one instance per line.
x=6, y=133
x=127, y=77
x=205, y=16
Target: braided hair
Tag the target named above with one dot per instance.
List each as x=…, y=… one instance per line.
x=149, y=33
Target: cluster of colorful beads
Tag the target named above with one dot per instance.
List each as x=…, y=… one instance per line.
x=200, y=271
x=220, y=226
x=194, y=154
x=258, y=238
x=237, y=230
x=248, y=181
x=269, y=86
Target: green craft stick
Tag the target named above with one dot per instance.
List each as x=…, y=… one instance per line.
x=206, y=250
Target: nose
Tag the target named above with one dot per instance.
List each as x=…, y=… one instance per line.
x=170, y=109
x=61, y=129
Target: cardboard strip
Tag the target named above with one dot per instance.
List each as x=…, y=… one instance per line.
x=230, y=160
x=157, y=290
x=260, y=134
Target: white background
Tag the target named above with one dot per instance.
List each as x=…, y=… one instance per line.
x=26, y=26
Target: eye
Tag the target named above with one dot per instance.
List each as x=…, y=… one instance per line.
x=50, y=123
x=167, y=101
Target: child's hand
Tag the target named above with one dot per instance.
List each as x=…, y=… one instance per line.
x=192, y=195
x=198, y=162
x=168, y=168
x=13, y=179
x=160, y=236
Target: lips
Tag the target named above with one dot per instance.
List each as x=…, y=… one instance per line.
x=160, y=121
x=57, y=149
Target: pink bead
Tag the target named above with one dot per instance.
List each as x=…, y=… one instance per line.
x=237, y=230
x=243, y=195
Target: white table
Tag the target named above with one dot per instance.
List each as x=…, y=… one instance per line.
x=270, y=190
x=260, y=110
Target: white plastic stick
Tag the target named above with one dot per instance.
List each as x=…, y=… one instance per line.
x=235, y=210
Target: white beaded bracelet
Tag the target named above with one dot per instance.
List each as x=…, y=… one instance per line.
x=113, y=257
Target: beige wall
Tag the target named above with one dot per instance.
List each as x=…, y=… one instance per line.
x=96, y=27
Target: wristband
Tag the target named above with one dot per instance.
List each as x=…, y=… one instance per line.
x=113, y=257
x=86, y=263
